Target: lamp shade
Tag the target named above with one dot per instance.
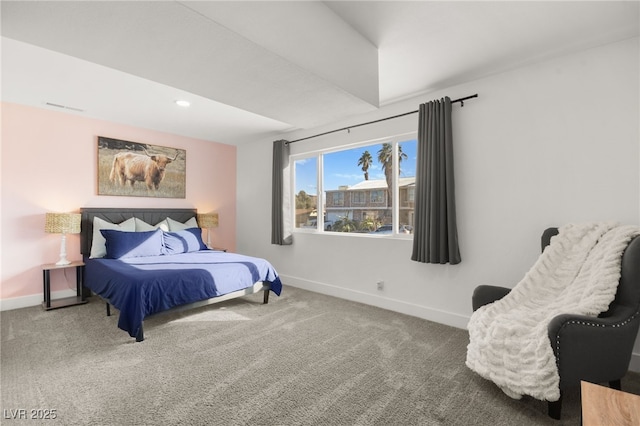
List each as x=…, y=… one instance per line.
x=207, y=220
x=62, y=223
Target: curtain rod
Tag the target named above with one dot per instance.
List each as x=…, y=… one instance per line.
x=461, y=100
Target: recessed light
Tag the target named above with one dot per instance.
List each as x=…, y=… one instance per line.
x=183, y=103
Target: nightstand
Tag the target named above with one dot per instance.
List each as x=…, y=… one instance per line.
x=49, y=304
x=219, y=249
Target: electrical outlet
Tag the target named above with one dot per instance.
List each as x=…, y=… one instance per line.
x=380, y=285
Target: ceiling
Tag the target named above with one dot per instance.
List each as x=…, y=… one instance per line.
x=253, y=70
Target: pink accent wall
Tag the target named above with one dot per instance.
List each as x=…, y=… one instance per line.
x=49, y=164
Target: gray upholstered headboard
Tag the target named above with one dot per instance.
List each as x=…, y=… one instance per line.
x=117, y=215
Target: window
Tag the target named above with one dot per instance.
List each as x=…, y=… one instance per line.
x=358, y=197
x=377, y=196
x=306, y=193
x=337, y=198
x=411, y=194
x=365, y=188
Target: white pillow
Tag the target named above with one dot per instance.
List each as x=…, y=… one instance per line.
x=174, y=225
x=98, y=248
x=141, y=225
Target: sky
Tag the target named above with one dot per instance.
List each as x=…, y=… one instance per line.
x=341, y=168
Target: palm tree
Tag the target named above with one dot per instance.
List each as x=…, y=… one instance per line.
x=385, y=157
x=365, y=161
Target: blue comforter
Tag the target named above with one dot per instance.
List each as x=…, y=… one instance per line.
x=139, y=287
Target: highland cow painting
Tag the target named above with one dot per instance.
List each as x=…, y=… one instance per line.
x=140, y=170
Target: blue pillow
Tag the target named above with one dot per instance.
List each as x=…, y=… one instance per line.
x=184, y=241
x=122, y=245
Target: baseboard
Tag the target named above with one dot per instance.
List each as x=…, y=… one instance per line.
x=430, y=314
x=32, y=300
x=634, y=365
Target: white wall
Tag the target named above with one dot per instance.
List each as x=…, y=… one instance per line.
x=542, y=145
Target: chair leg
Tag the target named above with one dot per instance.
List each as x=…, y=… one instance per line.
x=615, y=384
x=555, y=408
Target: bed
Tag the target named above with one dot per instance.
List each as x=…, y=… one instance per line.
x=147, y=261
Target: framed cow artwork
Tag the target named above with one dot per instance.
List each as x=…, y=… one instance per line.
x=140, y=170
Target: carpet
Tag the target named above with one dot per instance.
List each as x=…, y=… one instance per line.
x=303, y=359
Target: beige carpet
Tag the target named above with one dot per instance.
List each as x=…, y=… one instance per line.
x=303, y=359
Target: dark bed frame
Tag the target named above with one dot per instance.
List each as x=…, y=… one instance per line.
x=150, y=216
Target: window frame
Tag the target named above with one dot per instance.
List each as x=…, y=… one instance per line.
x=379, y=200
x=337, y=201
x=360, y=195
x=318, y=155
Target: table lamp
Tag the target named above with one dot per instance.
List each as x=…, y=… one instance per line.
x=208, y=221
x=62, y=223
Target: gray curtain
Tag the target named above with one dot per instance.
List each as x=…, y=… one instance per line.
x=279, y=233
x=435, y=238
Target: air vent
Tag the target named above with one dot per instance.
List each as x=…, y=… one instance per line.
x=64, y=107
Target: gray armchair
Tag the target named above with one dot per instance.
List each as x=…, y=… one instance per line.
x=596, y=350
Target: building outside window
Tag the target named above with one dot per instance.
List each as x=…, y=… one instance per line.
x=306, y=196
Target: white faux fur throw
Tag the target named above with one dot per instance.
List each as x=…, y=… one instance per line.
x=578, y=273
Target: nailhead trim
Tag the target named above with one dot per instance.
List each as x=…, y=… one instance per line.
x=590, y=324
